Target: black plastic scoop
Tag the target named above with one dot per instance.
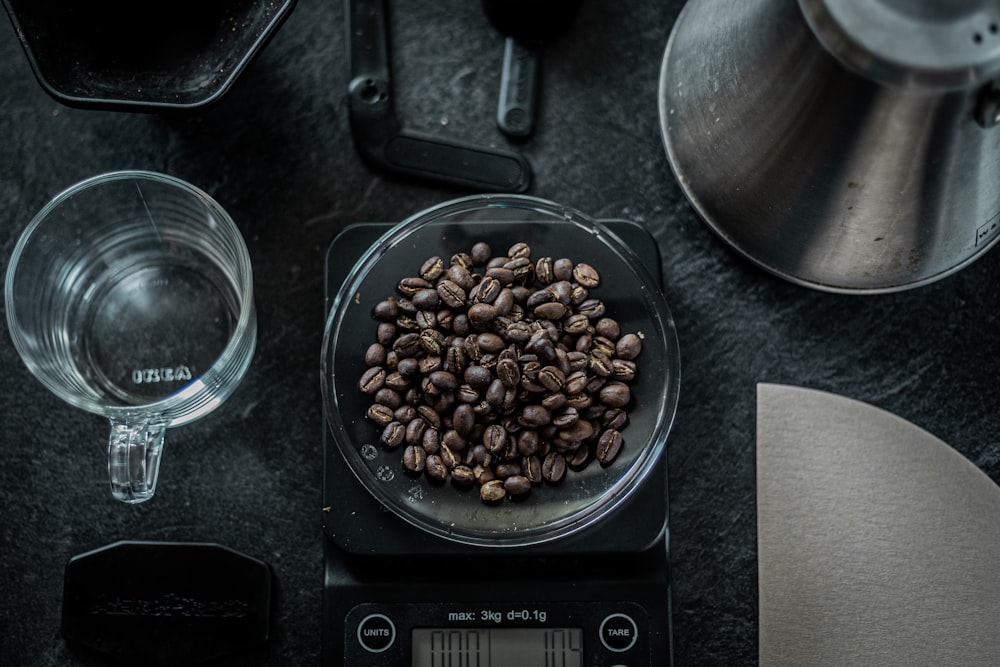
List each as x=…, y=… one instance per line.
x=528, y=26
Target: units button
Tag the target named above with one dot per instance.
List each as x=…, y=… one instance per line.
x=618, y=632
x=376, y=633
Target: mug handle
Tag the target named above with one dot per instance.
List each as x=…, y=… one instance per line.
x=134, y=459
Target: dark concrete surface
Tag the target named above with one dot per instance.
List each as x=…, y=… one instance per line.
x=276, y=152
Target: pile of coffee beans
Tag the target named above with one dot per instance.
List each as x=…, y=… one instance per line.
x=504, y=372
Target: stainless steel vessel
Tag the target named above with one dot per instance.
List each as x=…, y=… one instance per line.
x=845, y=145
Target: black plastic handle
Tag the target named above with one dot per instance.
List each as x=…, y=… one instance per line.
x=518, y=89
x=381, y=140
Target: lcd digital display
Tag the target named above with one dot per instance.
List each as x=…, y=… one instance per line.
x=497, y=647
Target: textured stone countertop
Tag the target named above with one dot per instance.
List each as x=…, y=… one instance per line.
x=277, y=153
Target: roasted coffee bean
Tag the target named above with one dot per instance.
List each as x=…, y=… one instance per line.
x=552, y=378
x=432, y=341
x=407, y=366
x=410, y=286
x=462, y=259
x=562, y=269
x=444, y=380
x=477, y=376
x=592, y=308
x=516, y=485
x=524, y=270
x=407, y=323
x=554, y=467
x=386, y=310
x=495, y=392
x=432, y=268
x=502, y=275
x=488, y=290
x=539, y=297
x=506, y=469
x=608, y=446
x=431, y=441
x=586, y=275
x=460, y=275
x=580, y=401
x=463, y=475
x=407, y=345
x=576, y=324
x=426, y=299
x=463, y=419
x=490, y=343
x=541, y=344
x=504, y=302
x=608, y=328
x=460, y=324
x=562, y=290
x=528, y=442
x=454, y=440
x=623, y=370
x=495, y=438
x=435, y=468
x=578, y=458
x=531, y=467
x=481, y=314
x=389, y=398
x=534, y=415
x=554, y=401
x=426, y=319
x=518, y=332
x=544, y=270
x=578, y=431
x=393, y=434
x=429, y=415
x=380, y=414
x=448, y=457
x=615, y=418
x=415, y=431
x=375, y=355
x=566, y=417
x=397, y=381
x=372, y=380
x=576, y=382
x=405, y=413
x=551, y=311
x=466, y=394
x=628, y=347
x=429, y=364
x=451, y=293
x=519, y=250
x=508, y=372
x=445, y=319
x=600, y=364
x=480, y=254
x=492, y=491
x=414, y=458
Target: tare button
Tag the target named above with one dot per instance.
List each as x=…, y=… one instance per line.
x=618, y=632
x=376, y=633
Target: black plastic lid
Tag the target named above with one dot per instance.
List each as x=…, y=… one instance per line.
x=166, y=603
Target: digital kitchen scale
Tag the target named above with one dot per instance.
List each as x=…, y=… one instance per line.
x=397, y=595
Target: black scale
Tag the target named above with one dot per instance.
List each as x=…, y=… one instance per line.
x=397, y=596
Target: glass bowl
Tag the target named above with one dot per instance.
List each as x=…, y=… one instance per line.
x=549, y=511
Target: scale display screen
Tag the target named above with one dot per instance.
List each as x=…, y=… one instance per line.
x=497, y=647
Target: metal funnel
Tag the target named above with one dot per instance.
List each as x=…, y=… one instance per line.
x=845, y=145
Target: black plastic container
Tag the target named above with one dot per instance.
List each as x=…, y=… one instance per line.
x=142, y=56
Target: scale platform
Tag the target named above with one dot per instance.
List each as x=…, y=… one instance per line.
x=395, y=595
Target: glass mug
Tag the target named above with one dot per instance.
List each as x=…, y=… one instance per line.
x=130, y=295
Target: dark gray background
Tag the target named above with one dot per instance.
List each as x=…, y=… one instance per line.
x=277, y=154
